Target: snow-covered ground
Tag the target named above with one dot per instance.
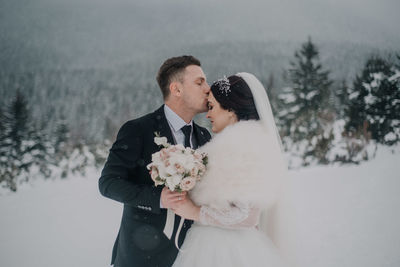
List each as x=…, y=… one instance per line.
x=347, y=217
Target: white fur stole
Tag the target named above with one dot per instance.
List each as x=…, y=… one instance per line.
x=243, y=166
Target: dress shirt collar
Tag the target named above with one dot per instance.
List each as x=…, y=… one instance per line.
x=174, y=120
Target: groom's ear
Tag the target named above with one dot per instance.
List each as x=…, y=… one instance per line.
x=174, y=89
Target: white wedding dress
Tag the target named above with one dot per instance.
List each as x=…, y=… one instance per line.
x=228, y=238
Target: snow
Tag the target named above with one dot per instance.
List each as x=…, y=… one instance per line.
x=347, y=217
x=287, y=95
x=390, y=137
x=396, y=76
x=370, y=99
x=353, y=95
x=58, y=223
x=311, y=94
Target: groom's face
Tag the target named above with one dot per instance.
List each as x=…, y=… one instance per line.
x=194, y=89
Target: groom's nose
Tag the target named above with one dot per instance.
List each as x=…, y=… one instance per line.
x=206, y=88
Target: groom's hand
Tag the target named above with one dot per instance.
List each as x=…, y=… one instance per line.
x=170, y=199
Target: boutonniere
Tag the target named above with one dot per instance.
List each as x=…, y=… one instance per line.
x=161, y=140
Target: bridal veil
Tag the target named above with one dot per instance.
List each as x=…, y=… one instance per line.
x=277, y=221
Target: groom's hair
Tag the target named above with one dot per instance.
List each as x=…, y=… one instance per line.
x=172, y=70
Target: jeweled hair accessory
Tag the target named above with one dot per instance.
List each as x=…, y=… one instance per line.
x=224, y=85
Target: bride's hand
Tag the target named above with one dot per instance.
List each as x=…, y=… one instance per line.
x=188, y=210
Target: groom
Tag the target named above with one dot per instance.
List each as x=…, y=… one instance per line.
x=140, y=241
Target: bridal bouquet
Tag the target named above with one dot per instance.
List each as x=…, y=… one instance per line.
x=175, y=166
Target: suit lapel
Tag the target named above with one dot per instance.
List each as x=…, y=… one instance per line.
x=162, y=125
x=201, y=137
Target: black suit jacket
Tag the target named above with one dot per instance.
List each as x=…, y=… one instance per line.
x=141, y=241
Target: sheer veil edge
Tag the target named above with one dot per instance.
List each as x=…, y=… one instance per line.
x=278, y=221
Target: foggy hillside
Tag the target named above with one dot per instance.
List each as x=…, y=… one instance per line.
x=93, y=61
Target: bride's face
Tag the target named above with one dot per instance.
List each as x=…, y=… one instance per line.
x=219, y=117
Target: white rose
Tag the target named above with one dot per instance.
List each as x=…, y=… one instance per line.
x=189, y=164
x=156, y=159
x=201, y=167
x=178, y=158
x=162, y=171
x=179, y=168
x=171, y=170
x=194, y=171
x=188, y=151
x=149, y=166
x=158, y=182
x=187, y=183
x=154, y=173
x=172, y=181
x=198, y=156
x=180, y=147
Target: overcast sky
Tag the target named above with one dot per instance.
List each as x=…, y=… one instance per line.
x=87, y=29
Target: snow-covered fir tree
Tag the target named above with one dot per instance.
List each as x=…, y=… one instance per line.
x=341, y=103
x=306, y=116
x=22, y=146
x=16, y=142
x=374, y=108
x=3, y=147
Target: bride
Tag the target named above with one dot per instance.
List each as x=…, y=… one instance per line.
x=243, y=180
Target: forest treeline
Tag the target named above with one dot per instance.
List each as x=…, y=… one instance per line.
x=321, y=119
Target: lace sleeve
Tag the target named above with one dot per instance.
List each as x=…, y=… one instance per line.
x=238, y=215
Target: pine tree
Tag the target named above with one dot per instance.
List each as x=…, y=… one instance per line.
x=61, y=135
x=15, y=137
x=62, y=146
x=375, y=102
x=3, y=148
x=22, y=146
x=307, y=107
x=2, y=127
x=341, y=95
x=357, y=107
x=41, y=150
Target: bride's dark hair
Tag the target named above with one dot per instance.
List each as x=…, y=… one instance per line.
x=234, y=94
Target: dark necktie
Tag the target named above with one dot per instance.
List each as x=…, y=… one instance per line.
x=186, y=131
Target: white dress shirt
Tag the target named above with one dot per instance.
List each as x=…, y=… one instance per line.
x=176, y=123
